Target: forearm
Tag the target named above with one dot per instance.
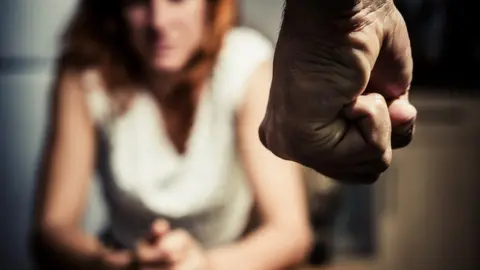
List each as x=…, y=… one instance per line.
x=268, y=248
x=67, y=248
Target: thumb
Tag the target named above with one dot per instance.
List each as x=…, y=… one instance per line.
x=402, y=116
x=402, y=113
x=159, y=228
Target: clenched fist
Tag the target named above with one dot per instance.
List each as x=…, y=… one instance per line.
x=339, y=96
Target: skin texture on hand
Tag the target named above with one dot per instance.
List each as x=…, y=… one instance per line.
x=339, y=96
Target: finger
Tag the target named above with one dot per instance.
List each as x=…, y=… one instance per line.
x=367, y=137
x=366, y=134
x=363, y=173
x=392, y=73
x=176, y=245
x=345, y=176
x=344, y=169
x=160, y=227
x=370, y=113
x=117, y=259
x=401, y=112
x=403, y=116
x=148, y=254
x=403, y=136
x=374, y=166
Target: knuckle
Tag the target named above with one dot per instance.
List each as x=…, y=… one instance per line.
x=262, y=134
x=377, y=104
x=384, y=161
x=275, y=137
x=378, y=147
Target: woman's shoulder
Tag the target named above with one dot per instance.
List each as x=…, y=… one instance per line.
x=93, y=87
x=244, y=50
x=241, y=33
x=86, y=79
x=91, y=79
x=244, y=42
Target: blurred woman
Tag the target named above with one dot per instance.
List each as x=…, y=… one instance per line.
x=161, y=97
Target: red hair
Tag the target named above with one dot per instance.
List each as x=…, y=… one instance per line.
x=97, y=37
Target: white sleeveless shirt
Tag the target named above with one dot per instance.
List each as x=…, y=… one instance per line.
x=203, y=190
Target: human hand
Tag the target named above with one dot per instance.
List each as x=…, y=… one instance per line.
x=170, y=249
x=116, y=260
x=330, y=58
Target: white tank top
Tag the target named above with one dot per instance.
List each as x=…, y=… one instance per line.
x=203, y=190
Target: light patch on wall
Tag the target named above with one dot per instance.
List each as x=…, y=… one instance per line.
x=30, y=28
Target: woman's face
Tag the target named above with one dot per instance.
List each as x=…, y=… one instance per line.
x=166, y=32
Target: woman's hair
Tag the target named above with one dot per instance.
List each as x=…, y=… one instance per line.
x=97, y=37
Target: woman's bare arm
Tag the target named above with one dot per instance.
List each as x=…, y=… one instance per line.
x=283, y=238
x=66, y=172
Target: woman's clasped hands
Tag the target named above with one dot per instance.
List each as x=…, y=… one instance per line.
x=169, y=249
